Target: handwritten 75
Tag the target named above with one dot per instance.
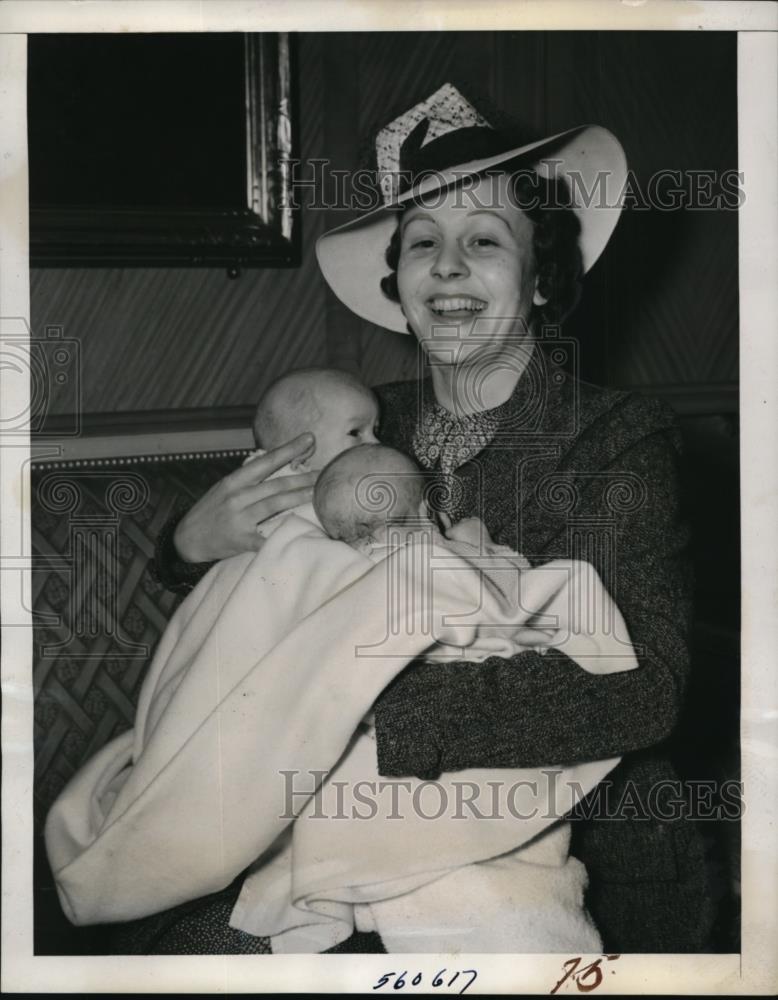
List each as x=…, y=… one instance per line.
x=586, y=979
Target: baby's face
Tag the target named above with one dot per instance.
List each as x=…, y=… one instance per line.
x=347, y=418
x=370, y=496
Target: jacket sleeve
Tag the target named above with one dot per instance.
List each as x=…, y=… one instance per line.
x=534, y=710
x=168, y=567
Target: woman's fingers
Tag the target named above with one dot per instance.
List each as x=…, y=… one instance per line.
x=211, y=529
x=260, y=468
x=282, y=484
x=277, y=502
x=223, y=522
x=470, y=530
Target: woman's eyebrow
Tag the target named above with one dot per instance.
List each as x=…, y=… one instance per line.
x=421, y=217
x=425, y=217
x=494, y=215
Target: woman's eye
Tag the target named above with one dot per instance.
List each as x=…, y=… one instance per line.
x=485, y=241
x=354, y=433
x=421, y=243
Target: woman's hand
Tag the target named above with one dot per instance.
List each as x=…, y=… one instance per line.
x=224, y=521
x=470, y=530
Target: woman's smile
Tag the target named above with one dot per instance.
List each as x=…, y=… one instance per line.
x=456, y=306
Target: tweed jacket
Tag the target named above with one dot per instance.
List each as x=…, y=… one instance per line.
x=574, y=471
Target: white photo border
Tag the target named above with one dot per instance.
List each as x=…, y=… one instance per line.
x=755, y=969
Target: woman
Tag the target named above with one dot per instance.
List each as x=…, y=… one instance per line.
x=472, y=254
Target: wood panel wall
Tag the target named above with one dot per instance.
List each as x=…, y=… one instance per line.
x=660, y=309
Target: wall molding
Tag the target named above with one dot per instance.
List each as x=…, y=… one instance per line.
x=107, y=439
x=131, y=449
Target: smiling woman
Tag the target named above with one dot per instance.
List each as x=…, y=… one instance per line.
x=523, y=197
x=474, y=271
x=467, y=283
x=555, y=468
x=459, y=261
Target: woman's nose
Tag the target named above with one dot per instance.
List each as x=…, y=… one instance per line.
x=449, y=262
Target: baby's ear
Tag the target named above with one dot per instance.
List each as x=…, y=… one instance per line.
x=302, y=464
x=364, y=545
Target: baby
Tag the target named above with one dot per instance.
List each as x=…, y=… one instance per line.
x=335, y=406
x=363, y=494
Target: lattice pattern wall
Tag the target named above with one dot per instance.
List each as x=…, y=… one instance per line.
x=98, y=610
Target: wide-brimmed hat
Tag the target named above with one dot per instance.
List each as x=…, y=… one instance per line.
x=440, y=143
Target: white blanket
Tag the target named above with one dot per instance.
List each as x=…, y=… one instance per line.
x=268, y=667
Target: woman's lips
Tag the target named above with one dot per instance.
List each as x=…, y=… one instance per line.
x=455, y=306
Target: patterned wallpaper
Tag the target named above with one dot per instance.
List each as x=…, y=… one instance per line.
x=659, y=309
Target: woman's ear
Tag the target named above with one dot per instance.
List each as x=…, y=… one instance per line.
x=538, y=299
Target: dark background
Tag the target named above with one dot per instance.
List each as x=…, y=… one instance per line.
x=133, y=119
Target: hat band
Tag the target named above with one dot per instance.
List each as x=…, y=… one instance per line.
x=463, y=145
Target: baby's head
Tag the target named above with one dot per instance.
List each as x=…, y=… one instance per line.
x=336, y=407
x=365, y=490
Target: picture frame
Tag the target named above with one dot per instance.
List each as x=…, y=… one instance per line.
x=258, y=228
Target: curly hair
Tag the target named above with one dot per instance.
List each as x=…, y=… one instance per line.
x=547, y=204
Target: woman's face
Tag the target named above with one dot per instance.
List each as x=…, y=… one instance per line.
x=466, y=274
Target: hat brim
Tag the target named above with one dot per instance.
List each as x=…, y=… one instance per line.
x=352, y=259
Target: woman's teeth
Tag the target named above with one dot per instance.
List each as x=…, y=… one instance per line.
x=460, y=303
